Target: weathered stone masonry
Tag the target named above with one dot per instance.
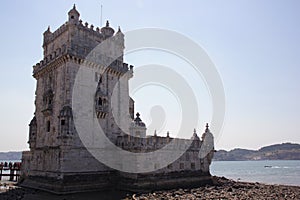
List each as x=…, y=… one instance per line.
x=57, y=160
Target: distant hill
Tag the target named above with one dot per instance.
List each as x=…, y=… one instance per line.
x=285, y=151
x=12, y=155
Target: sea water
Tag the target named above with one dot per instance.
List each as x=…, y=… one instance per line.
x=286, y=172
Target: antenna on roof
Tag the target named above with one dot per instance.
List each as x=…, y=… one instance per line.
x=101, y=17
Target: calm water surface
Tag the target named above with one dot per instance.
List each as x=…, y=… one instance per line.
x=286, y=172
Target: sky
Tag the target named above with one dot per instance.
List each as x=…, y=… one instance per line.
x=254, y=45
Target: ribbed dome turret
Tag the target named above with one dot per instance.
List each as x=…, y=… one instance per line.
x=107, y=31
x=138, y=121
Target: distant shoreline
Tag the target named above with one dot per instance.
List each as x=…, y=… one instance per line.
x=284, y=151
x=11, y=155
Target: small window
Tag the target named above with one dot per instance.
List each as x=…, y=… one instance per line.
x=48, y=126
x=99, y=101
x=62, y=122
x=72, y=17
x=170, y=166
x=193, y=166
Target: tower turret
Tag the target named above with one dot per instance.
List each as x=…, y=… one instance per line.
x=207, y=147
x=107, y=31
x=137, y=127
x=195, y=136
x=47, y=37
x=73, y=15
x=47, y=32
x=32, y=133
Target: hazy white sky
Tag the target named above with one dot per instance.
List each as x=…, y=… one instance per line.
x=255, y=46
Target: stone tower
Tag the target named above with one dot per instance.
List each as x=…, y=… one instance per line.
x=58, y=161
x=56, y=152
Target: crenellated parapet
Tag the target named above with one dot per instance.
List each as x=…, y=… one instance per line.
x=50, y=37
x=78, y=40
x=81, y=34
x=62, y=56
x=152, y=143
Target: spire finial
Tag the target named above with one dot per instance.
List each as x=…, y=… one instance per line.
x=119, y=29
x=107, y=23
x=195, y=133
x=168, y=134
x=155, y=133
x=74, y=6
x=195, y=136
x=206, y=127
x=47, y=31
x=137, y=119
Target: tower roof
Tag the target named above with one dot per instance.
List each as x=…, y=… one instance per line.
x=73, y=11
x=107, y=30
x=207, y=128
x=119, y=30
x=206, y=132
x=138, y=120
x=195, y=136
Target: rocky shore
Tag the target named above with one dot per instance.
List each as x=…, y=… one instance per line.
x=226, y=189
x=221, y=188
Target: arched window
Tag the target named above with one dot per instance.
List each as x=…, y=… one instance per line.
x=100, y=103
x=48, y=126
